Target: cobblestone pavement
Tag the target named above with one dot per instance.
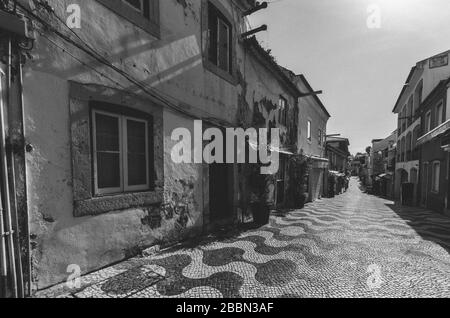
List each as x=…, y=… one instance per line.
x=354, y=245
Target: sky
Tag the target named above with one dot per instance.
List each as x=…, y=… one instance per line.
x=361, y=70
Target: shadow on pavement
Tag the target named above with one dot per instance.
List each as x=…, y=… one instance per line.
x=431, y=226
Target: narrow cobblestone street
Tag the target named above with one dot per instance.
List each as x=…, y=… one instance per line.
x=354, y=245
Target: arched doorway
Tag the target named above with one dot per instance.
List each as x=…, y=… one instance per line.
x=404, y=177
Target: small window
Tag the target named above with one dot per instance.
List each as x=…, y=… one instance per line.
x=309, y=135
x=436, y=173
x=410, y=113
x=428, y=122
x=121, y=153
x=282, y=111
x=220, y=39
x=142, y=13
x=440, y=114
x=320, y=137
x=147, y=8
x=418, y=96
x=138, y=5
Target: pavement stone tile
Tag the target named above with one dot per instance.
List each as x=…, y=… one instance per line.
x=354, y=245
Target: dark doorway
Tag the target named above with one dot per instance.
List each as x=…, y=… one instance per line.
x=219, y=192
x=281, y=190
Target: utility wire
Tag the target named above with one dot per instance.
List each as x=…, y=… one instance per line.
x=92, y=53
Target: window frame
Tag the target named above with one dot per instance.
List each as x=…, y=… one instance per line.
x=227, y=25
x=143, y=187
x=435, y=187
x=283, y=110
x=147, y=21
x=418, y=93
x=309, y=130
x=134, y=8
x=213, y=66
x=97, y=190
x=123, y=155
x=440, y=113
x=428, y=121
x=410, y=111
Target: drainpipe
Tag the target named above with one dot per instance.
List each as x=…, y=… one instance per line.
x=12, y=182
x=4, y=183
x=3, y=264
x=27, y=229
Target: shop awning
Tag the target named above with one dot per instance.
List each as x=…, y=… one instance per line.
x=385, y=176
x=319, y=163
x=283, y=151
x=337, y=173
x=442, y=129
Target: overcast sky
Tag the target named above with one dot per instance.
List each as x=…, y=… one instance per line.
x=360, y=70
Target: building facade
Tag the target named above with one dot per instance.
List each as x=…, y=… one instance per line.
x=312, y=131
x=383, y=165
x=99, y=112
x=97, y=179
x=271, y=100
x=422, y=79
x=338, y=154
x=434, y=144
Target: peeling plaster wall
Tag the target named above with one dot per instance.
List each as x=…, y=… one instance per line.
x=172, y=65
x=183, y=185
x=260, y=107
x=263, y=93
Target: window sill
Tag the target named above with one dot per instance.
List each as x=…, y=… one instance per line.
x=106, y=204
x=136, y=18
x=219, y=72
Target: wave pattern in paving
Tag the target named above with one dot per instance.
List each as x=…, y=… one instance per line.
x=324, y=250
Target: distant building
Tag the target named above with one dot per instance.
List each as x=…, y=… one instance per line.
x=338, y=153
x=355, y=166
x=363, y=171
x=383, y=164
x=312, y=132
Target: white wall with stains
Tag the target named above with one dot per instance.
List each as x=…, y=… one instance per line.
x=172, y=65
